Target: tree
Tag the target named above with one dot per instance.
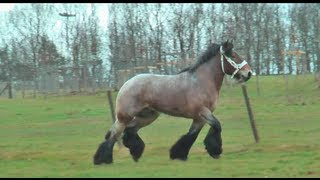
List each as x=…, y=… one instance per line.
x=30, y=21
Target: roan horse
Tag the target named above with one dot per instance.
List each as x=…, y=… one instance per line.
x=192, y=93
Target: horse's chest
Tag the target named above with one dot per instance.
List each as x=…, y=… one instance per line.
x=207, y=100
x=210, y=102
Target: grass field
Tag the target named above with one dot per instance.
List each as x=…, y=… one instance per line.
x=58, y=136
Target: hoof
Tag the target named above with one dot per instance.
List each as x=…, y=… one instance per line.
x=176, y=152
x=103, y=154
x=179, y=158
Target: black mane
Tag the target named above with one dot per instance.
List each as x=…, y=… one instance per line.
x=211, y=51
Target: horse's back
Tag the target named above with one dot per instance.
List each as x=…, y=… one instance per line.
x=137, y=82
x=143, y=81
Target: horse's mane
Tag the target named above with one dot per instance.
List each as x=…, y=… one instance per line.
x=211, y=51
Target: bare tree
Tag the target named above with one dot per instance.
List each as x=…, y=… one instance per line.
x=30, y=21
x=7, y=65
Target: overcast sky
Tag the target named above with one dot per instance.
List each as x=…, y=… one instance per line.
x=102, y=9
x=6, y=6
x=102, y=12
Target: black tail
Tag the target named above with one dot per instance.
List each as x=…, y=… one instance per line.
x=111, y=106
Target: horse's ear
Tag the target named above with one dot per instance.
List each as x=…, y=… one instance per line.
x=225, y=45
x=231, y=44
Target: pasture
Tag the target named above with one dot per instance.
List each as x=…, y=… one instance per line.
x=58, y=136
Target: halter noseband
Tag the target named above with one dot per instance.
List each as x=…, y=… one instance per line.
x=231, y=62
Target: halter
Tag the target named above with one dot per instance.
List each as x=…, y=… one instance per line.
x=231, y=62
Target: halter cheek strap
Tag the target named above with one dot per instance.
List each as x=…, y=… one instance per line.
x=231, y=62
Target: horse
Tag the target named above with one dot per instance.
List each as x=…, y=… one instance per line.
x=192, y=93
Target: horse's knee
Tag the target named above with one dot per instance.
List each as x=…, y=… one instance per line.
x=216, y=126
x=206, y=115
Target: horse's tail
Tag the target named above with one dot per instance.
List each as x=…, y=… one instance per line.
x=111, y=106
x=119, y=140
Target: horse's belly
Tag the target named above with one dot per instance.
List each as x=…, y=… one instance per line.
x=173, y=111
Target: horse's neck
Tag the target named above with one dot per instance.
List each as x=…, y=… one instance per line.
x=211, y=74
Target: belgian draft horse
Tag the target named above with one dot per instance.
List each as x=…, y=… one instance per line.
x=192, y=93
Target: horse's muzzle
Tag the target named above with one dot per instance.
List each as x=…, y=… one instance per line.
x=248, y=76
x=243, y=76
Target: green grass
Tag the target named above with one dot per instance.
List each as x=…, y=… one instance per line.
x=58, y=136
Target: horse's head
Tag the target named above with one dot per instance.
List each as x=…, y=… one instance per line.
x=232, y=64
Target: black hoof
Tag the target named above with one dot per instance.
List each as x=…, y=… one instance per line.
x=177, y=157
x=214, y=151
x=103, y=154
x=179, y=152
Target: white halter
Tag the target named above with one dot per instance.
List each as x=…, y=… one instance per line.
x=231, y=62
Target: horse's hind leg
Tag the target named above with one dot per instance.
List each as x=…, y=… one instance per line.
x=131, y=139
x=104, y=152
x=181, y=148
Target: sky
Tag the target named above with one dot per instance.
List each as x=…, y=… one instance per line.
x=6, y=6
x=102, y=9
x=59, y=25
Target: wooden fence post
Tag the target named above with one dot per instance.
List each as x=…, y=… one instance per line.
x=4, y=89
x=252, y=122
x=9, y=87
x=9, y=90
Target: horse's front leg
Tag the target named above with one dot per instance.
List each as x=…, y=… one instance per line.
x=212, y=141
x=181, y=148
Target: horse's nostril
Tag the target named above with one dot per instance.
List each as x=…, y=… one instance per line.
x=249, y=74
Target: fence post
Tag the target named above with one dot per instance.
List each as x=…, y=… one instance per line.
x=9, y=90
x=9, y=87
x=252, y=122
x=4, y=89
